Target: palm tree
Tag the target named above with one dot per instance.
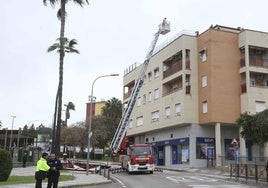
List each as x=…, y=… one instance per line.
x=69, y=47
x=69, y=106
x=61, y=15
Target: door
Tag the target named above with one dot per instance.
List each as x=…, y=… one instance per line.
x=174, y=154
x=161, y=158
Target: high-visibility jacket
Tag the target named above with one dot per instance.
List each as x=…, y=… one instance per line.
x=42, y=165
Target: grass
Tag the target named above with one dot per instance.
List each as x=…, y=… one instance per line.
x=30, y=179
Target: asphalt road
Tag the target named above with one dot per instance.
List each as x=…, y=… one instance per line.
x=168, y=179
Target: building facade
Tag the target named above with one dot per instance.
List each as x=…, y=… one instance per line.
x=96, y=110
x=195, y=88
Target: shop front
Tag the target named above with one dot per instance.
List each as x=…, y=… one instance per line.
x=169, y=152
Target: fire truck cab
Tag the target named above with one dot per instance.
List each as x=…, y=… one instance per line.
x=139, y=158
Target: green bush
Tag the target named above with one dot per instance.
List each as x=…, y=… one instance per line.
x=5, y=164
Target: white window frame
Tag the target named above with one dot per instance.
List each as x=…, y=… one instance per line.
x=139, y=101
x=204, y=80
x=203, y=55
x=156, y=93
x=156, y=72
x=130, y=124
x=149, y=76
x=139, y=121
x=178, y=109
x=144, y=99
x=150, y=96
x=155, y=116
x=205, y=107
x=167, y=112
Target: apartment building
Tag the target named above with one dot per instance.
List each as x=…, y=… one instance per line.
x=96, y=109
x=195, y=88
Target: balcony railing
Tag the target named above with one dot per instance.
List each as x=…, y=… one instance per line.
x=173, y=69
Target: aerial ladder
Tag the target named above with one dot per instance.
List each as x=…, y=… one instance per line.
x=163, y=28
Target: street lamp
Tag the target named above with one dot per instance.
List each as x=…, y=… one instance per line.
x=90, y=117
x=11, y=134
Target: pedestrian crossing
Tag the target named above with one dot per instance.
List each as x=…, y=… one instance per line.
x=189, y=179
x=204, y=182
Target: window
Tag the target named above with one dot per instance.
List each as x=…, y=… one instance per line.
x=155, y=116
x=260, y=106
x=167, y=111
x=139, y=101
x=252, y=82
x=156, y=93
x=139, y=121
x=205, y=107
x=130, y=123
x=204, y=81
x=149, y=76
x=266, y=83
x=178, y=109
x=144, y=99
x=203, y=55
x=150, y=96
x=156, y=72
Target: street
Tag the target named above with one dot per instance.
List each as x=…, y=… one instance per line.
x=168, y=179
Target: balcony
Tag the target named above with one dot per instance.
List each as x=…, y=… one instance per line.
x=172, y=69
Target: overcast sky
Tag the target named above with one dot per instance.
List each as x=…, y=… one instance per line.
x=112, y=35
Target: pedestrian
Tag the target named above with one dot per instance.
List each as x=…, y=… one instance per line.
x=54, y=171
x=65, y=156
x=24, y=160
x=41, y=170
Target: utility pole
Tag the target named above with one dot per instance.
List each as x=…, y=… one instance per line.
x=11, y=134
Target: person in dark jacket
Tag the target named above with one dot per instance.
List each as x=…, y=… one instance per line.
x=24, y=159
x=54, y=171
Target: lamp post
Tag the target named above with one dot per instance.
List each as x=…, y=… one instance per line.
x=90, y=117
x=11, y=134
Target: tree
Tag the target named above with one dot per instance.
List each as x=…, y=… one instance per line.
x=74, y=135
x=254, y=127
x=104, y=126
x=6, y=164
x=69, y=47
x=61, y=15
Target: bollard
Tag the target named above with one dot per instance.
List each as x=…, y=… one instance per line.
x=104, y=174
x=108, y=177
x=100, y=172
x=267, y=171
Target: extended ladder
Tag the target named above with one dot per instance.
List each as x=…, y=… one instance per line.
x=163, y=28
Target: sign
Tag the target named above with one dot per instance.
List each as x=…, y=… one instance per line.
x=98, y=151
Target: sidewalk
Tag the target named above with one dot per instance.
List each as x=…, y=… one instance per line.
x=81, y=179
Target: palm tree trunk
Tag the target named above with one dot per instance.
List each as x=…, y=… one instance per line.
x=54, y=124
x=59, y=121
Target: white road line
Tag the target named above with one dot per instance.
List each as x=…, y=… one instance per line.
x=119, y=181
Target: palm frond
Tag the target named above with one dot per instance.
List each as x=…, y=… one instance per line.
x=81, y=2
x=53, y=47
x=52, y=2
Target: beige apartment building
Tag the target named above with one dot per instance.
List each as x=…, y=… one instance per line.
x=195, y=88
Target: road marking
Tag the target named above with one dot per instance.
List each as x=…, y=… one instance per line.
x=188, y=179
x=119, y=181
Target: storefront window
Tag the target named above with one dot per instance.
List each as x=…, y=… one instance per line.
x=205, y=147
